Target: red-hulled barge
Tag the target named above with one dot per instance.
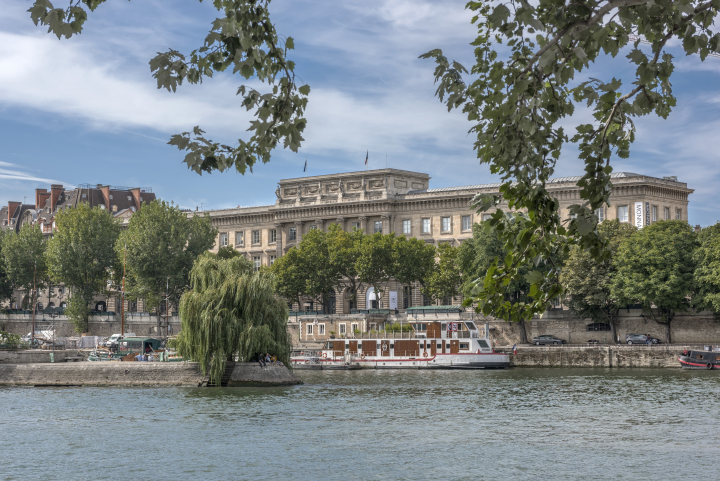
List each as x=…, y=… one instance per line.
x=699, y=359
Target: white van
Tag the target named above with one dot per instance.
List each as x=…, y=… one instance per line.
x=113, y=340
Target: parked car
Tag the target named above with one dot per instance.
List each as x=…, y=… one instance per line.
x=548, y=339
x=640, y=339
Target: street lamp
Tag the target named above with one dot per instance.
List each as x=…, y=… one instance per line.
x=53, y=314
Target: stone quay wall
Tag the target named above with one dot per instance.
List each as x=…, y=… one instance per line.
x=599, y=356
x=99, y=325
x=35, y=356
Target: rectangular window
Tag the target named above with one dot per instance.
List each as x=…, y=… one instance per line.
x=256, y=263
x=342, y=329
x=273, y=236
x=223, y=239
x=292, y=233
x=354, y=328
x=321, y=329
x=312, y=227
x=600, y=213
x=426, y=226
x=654, y=213
x=239, y=238
x=356, y=225
x=678, y=214
x=406, y=227
x=378, y=226
x=486, y=217
x=667, y=213
x=445, y=224
x=623, y=213
x=256, y=237
x=310, y=329
x=467, y=222
x=272, y=260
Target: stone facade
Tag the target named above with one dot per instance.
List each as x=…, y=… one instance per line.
x=399, y=201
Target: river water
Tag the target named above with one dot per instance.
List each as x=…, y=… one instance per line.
x=347, y=425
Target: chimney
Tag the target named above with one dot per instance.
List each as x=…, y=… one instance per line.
x=12, y=207
x=196, y=208
x=38, y=204
x=106, y=195
x=697, y=229
x=55, y=191
x=136, y=196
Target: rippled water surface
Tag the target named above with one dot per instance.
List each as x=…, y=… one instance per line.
x=512, y=424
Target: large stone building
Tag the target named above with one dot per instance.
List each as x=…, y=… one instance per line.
x=399, y=201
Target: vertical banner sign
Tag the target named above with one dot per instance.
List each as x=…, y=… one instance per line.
x=393, y=299
x=647, y=213
x=639, y=215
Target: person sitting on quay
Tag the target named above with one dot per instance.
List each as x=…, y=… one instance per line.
x=261, y=360
x=267, y=357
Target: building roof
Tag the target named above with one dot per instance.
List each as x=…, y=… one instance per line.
x=556, y=180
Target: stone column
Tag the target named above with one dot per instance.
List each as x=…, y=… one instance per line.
x=279, y=241
x=363, y=223
x=341, y=222
x=298, y=234
x=385, y=223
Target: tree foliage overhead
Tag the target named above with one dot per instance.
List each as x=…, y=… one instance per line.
x=588, y=281
x=81, y=254
x=243, y=40
x=162, y=244
x=526, y=59
x=655, y=268
x=231, y=311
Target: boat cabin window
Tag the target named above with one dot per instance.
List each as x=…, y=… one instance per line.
x=464, y=345
x=471, y=326
x=439, y=346
x=483, y=343
x=698, y=356
x=717, y=358
x=328, y=345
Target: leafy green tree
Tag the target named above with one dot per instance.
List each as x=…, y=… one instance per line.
x=707, y=272
x=231, y=311
x=588, y=282
x=321, y=274
x=162, y=245
x=6, y=288
x=242, y=39
x=523, y=90
x=24, y=259
x=483, y=253
x=655, y=268
x=81, y=255
x=344, y=251
x=375, y=263
x=290, y=273
x=445, y=279
x=227, y=252
x=413, y=261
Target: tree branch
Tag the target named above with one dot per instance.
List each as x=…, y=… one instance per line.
x=580, y=26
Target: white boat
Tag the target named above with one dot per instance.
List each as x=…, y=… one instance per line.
x=430, y=345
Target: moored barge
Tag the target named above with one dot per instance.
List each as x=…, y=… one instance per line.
x=433, y=345
x=700, y=359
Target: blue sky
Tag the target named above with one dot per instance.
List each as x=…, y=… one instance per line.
x=86, y=110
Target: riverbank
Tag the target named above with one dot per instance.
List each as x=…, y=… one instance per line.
x=138, y=374
x=619, y=356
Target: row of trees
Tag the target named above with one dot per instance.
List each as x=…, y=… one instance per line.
x=87, y=252
x=337, y=259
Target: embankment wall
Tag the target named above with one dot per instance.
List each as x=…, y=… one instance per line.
x=600, y=356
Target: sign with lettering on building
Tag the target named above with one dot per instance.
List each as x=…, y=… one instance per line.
x=393, y=299
x=639, y=223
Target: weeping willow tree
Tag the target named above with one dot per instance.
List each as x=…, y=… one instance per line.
x=231, y=311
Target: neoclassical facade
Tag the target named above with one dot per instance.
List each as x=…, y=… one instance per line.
x=399, y=201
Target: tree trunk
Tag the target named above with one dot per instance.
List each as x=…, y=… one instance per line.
x=523, y=332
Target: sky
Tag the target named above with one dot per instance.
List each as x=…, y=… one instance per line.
x=87, y=110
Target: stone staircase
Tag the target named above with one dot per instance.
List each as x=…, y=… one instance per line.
x=229, y=366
